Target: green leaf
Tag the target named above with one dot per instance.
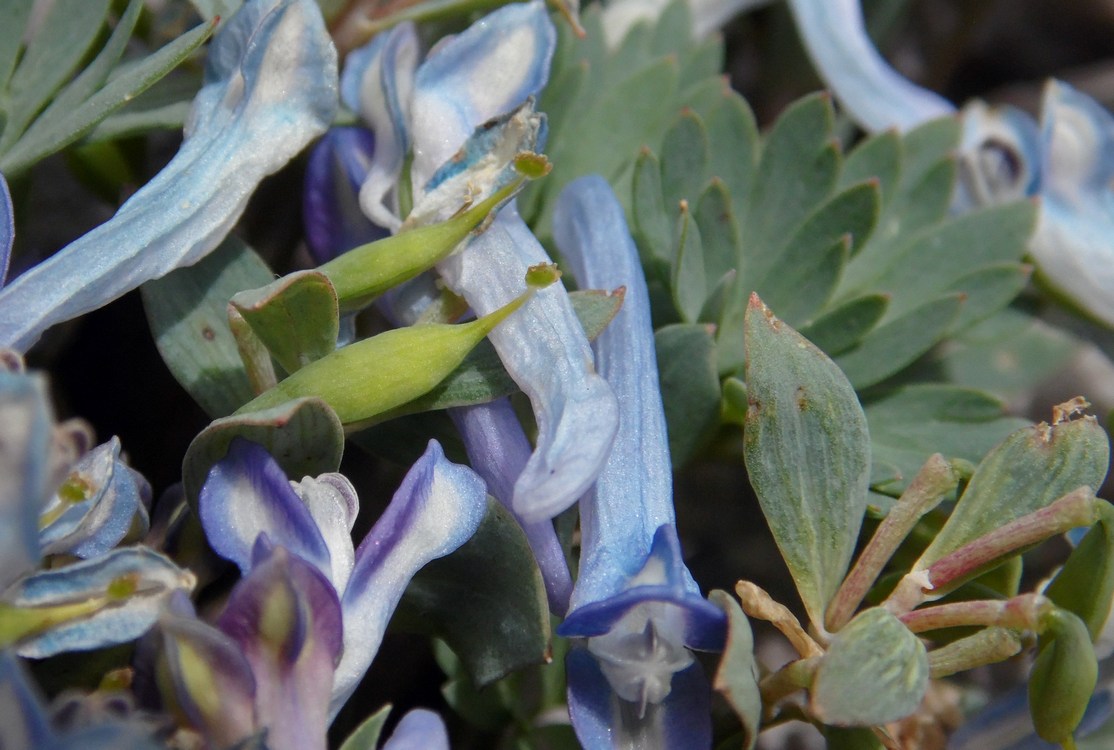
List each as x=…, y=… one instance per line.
x=13, y=21
x=988, y=290
x=684, y=160
x=686, y=355
x=875, y=671
x=55, y=135
x=909, y=424
x=296, y=317
x=486, y=600
x=733, y=142
x=652, y=226
x=806, y=281
x=719, y=231
x=1085, y=584
x=366, y=736
x=851, y=738
x=1027, y=471
x=1063, y=678
x=892, y=346
x=486, y=709
x=843, y=327
x=687, y=274
x=66, y=34
x=876, y=158
x=807, y=453
x=737, y=675
x=304, y=436
x=164, y=106
x=926, y=145
x=186, y=310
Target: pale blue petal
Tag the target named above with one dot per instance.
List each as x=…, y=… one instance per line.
x=481, y=73
x=498, y=450
x=25, y=436
x=271, y=89
x=437, y=508
x=155, y=578
x=633, y=495
x=999, y=156
x=247, y=494
x=23, y=722
x=544, y=349
x=1074, y=242
x=875, y=95
x=377, y=82
x=97, y=524
x=7, y=229
x=332, y=502
x=419, y=730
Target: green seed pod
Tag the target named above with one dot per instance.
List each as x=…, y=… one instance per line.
x=1063, y=677
x=365, y=379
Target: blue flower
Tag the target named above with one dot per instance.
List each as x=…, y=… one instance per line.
x=270, y=88
x=1066, y=161
x=437, y=508
x=461, y=117
x=635, y=682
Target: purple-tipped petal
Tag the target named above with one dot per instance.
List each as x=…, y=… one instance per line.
x=270, y=89
x=212, y=680
x=332, y=502
x=25, y=723
x=419, y=730
x=247, y=494
x=438, y=508
x=875, y=95
x=1074, y=242
x=544, y=349
x=286, y=618
x=481, y=73
x=146, y=579
x=377, y=82
x=498, y=450
x=337, y=167
x=603, y=721
x=633, y=495
x=95, y=506
x=25, y=437
x=7, y=229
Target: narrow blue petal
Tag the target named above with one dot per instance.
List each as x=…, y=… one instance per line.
x=633, y=495
x=25, y=721
x=872, y=92
x=419, y=730
x=93, y=526
x=498, y=450
x=247, y=494
x=437, y=508
x=331, y=213
x=485, y=71
x=7, y=229
x=377, y=82
x=271, y=89
x=25, y=436
x=154, y=577
x=285, y=616
x=1074, y=243
x=544, y=349
x=184, y=638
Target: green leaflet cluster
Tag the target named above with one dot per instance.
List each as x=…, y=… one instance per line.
x=45, y=107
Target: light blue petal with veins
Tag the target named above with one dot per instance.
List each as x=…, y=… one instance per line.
x=270, y=89
x=419, y=730
x=1074, y=242
x=25, y=435
x=875, y=95
x=544, y=349
x=7, y=229
x=437, y=508
x=154, y=576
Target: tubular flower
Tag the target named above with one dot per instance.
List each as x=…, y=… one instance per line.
x=634, y=683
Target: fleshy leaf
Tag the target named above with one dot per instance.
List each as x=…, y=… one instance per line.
x=1032, y=467
x=1085, y=584
x=737, y=676
x=807, y=453
x=366, y=736
x=875, y=671
x=269, y=90
x=686, y=360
